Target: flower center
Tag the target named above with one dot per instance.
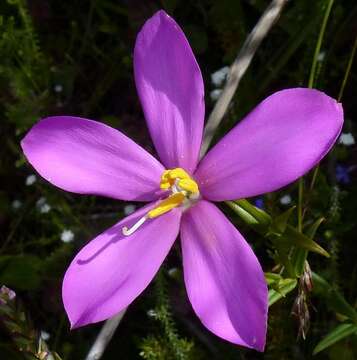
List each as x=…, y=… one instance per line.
x=184, y=192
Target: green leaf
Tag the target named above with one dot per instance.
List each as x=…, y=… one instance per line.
x=20, y=271
x=298, y=259
x=338, y=333
x=300, y=255
x=261, y=222
x=296, y=238
x=311, y=230
x=272, y=277
x=334, y=299
x=281, y=290
x=259, y=214
x=245, y=215
x=256, y=218
x=281, y=221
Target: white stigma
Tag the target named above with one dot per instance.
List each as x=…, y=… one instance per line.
x=189, y=197
x=128, y=231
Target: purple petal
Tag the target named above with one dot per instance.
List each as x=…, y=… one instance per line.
x=224, y=280
x=279, y=141
x=87, y=157
x=170, y=88
x=113, y=269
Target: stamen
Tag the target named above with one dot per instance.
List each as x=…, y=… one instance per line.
x=166, y=205
x=129, y=231
x=188, y=185
x=184, y=191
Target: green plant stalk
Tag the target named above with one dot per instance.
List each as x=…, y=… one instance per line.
x=340, y=94
x=282, y=234
x=304, y=253
x=282, y=58
x=334, y=298
x=18, y=325
x=300, y=203
x=338, y=333
x=299, y=255
x=284, y=287
x=348, y=70
x=310, y=85
x=319, y=43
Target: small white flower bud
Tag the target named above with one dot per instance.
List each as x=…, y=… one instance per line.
x=346, y=139
x=30, y=180
x=219, y=76
x=285, y=200
x=67, y=236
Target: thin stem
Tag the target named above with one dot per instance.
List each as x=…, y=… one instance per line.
x=87, y=30
x=312, y=184
x=310, y=85
x=300, y=203
x=340, y=94
x=239, y=67
x=319, y=43
x=314, y=177
x=348, y=70
x=104, y=337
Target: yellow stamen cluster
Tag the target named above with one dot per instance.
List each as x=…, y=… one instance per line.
x=182, y=185
x=179, y=177
x=167, y=205
x=184, y=191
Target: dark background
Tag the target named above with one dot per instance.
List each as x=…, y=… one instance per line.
x=75, y=58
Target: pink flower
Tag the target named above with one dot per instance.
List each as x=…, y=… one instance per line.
x=279, y=141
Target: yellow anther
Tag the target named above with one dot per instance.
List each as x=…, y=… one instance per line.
x=165, y=175
x=188, y=185
x=184, y=191
x=165, y=185
x=166, y=180
x=166, y=205
x=178, y=173
x=185, y=182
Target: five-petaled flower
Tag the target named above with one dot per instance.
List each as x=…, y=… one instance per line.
x=279, y=141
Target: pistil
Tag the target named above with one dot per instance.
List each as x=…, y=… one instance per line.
x=184, y=191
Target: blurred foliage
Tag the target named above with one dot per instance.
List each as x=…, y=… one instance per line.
x=28, y=342
x=75, y=57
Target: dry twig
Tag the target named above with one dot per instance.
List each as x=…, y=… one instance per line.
x=104, y=337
